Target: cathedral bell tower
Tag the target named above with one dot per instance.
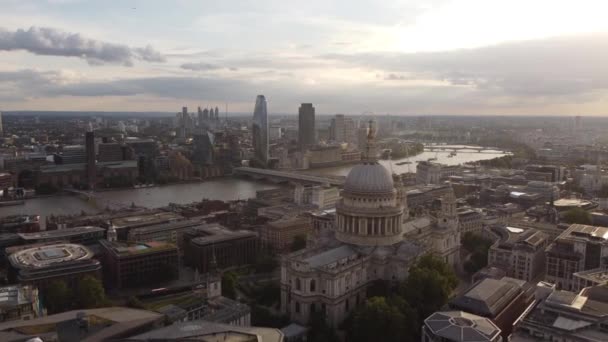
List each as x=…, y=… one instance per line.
x=448, y=218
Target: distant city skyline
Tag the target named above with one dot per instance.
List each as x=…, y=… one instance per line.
x=439, y=57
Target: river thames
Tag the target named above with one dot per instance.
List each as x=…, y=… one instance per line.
x=220, y=189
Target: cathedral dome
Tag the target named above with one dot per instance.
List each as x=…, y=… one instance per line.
x=369, y=177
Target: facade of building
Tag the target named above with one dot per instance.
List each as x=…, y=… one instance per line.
x=135, y=264
x=110, y=152
x=306, y=126
x=260, y=131
x=458, y=326
x=19, y=303
x=214, y=244
x=470, y=221
x=39, y=266
x=578, y=248
x=91, y=168
x=428, y=173
x=519, y=251
x=279, y=235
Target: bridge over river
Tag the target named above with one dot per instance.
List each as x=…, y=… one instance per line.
x=287, y=176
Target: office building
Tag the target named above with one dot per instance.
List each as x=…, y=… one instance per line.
x=280, y=234
x=428, y=172
x=138, y=264
x=208, y=331
x=91, y=168
x=519, y=251
x=214, y=244
x=260, y=131
x=306, y=126
x=500, y=300
x=19, y=303
x=87, y=235
x=110, y=152
x=578, y=248
x=72, y=154
x=558, y=315
x=41, y=265
x=166, y=232
x=1, y=125
x=336, y=128
x=470, y=221
x=458, y=326
x=103, y=324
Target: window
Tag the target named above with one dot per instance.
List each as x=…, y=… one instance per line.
x=313, y=286
x=298, y=284
x=297, y=307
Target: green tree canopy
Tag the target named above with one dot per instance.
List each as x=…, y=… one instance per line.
x=299, y=242
x=479, y=247
x=378, y=321
x=90, y=293
x=429, y=285
x=58, y=297
x=577, y=215
x=229, y=283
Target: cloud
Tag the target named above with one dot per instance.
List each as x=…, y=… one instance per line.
x=550, y=67
x=200, y=66
x=53, y=42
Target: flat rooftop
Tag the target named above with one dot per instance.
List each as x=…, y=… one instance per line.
x=49, y=255
x=212, y=233
x=585, y=232
x=67, y=232
x=128, y=249
x=145, y=219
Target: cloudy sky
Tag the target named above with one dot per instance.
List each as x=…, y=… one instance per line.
x=490, y=57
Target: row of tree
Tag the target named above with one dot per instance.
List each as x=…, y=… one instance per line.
x=89, y=293
x=395, y=312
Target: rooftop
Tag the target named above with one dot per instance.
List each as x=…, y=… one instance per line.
x=145, y=219
x=49, y=255
x=198, y=330
x=461, y=326
x=67, y=232
x=331, y=256
x=583, y=232
x=128, y=248
x=213, y=233
x=489, y=297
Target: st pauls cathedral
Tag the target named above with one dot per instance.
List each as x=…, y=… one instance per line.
x=373, y=238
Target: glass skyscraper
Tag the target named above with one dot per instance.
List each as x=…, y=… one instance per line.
x=260, y=131
x=306, y=126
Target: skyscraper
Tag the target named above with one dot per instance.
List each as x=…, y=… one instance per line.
x=260, y=131
x=217, y=113
x=306, y=126
x=90, y=166
x=336, y=130
x=1, y=127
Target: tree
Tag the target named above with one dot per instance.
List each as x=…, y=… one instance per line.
x=58, y=297
x=603, y=192
x=229, y=283
x=299, y=242
x=265, y=262
x=378, y=321
x=134, y=302
x=577, y=215
x=429, y=285
x=479, y=247
x=319, y=331
x=90, y=293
